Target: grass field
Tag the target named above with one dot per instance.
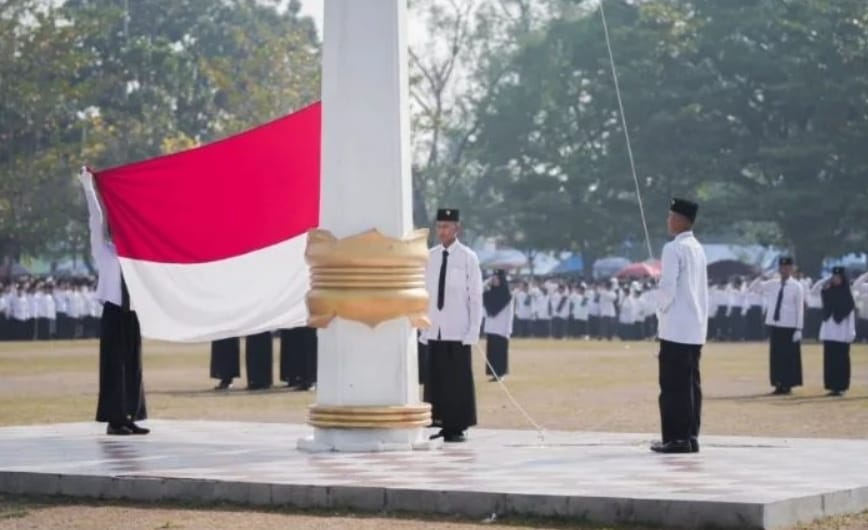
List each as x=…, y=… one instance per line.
x=569, y=385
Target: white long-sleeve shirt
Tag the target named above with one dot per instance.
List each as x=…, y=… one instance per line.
x=501, y=323
x=45, y=306
x=523, y=305
x=103, y=251
x=581, y=306
x=61, y=301
x=20, y=307
x=630, y=311
x=683, y=292
x=562, y=301
x=792, y=304
x=542, y=306
x=461, y=316
x=607, y=303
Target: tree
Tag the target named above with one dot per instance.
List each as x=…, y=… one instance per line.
x=108, y=82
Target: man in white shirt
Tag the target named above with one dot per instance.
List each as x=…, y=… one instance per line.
x=608, y=313
x=523, y=311
x=860, y=293
x=736, y=314
x=46, y=314
x=579, y=301
x=754, y=316
x=814, y=309
x=454, y=282
x=560, y=312
x=683, y=315
x=21, y=314
x=785, y=318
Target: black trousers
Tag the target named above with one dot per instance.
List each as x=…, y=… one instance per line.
x=298, y=356
x=813, y=321
x=680, y=390
x=523, y=327
x=43, y=329
x=542, y=329
x=226, y=359
x=559, y=327
x=607, y=327
x=594, y=326
x=785, y=358
x=736, y=326
x=497, y=355
x=754, y=323
x=721, y=326
x=836, y=366
x=651, y=327
x=578, y=328
x=259, y=358
x=62, y=331
x=450, y=389
x=862, y=330
x=121, y=391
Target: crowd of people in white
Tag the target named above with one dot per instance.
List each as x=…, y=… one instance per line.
x=44, y=310
x=557, y=308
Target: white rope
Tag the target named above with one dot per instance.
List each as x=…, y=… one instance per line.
x=539, y=428
x=626, y=131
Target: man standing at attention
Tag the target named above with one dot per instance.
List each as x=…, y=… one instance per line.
x=785, y=318
x=683, y=315
x=454, y=282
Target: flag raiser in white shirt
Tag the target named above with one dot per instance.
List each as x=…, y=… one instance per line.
x=683, y=292
x=461, y=316
x=792, y=313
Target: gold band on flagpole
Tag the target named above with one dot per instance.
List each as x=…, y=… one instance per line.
x=394, y=417
x=369, y=278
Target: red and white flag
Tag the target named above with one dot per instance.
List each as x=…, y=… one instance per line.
x=212, y=240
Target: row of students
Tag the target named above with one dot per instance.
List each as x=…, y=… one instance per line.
x=31, y=310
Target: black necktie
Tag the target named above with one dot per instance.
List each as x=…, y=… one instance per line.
x=125, y=295
x=441, y=284
x=777, y=315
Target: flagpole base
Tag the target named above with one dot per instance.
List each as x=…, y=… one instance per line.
x=325, y=440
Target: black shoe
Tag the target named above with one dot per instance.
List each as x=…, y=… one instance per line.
x=118, y=430
x=674, y=447
x=781, y=391
x=454, y=437
x=835, y=393
x=225, y=384
x=438, y=435
x=135, y=429
x=694, y=445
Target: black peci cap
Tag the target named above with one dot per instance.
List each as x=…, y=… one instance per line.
x=448, y=214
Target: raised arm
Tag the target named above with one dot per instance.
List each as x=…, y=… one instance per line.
x=96, y=220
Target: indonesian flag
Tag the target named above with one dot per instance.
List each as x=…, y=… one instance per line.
x=211, y=240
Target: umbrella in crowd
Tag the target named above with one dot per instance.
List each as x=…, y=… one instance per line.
x=725, y=269
x=608, y=267
x=639, y=270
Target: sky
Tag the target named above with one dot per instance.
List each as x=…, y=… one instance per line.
x=314, y=9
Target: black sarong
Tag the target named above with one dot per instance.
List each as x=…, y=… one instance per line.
x=497, y=355
x=226, y=359
x=298, y=357
x=785, y=358
x=450, y=388
x=836, y=366
x=121, y=392
x=259, y=358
